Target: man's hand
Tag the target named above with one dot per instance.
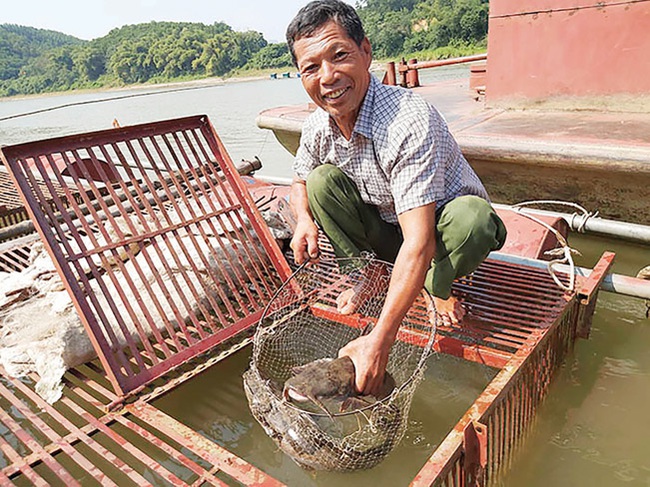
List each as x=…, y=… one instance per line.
x=305, y=237
x=370, y=356
x=305, y=241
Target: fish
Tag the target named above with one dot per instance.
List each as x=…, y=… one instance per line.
x=301, y=437
x=330, y=378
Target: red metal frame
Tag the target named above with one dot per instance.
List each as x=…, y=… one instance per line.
x=78, y=441
x=507, y=406
x=162, y=264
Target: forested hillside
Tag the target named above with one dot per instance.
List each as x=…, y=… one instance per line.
x=19, y=44
x=136, y=54
x=36, y=60
x=397, y=27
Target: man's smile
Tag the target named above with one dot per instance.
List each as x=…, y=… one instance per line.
x=333, y=95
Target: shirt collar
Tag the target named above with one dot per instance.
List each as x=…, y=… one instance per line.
x=363, y=125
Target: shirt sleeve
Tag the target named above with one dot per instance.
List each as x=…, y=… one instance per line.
x=306, y=157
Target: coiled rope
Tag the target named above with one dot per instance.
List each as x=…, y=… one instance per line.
x=564, y=250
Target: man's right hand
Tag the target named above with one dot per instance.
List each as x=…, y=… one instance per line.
x=305, y=241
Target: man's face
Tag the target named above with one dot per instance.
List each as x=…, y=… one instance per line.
x=334, y=72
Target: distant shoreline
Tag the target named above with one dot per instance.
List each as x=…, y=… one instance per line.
x=199, y=82
x=257, y=75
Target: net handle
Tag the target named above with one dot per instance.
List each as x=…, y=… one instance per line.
x=283, y=285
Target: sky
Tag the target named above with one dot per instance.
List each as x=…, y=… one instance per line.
x=89, y=19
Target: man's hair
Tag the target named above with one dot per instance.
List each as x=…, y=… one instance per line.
x=316, y=14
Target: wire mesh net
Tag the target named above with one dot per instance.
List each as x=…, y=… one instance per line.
x=311, y=409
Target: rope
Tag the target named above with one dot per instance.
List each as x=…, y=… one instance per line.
x=583, y=217
x=113, y=98
x=564, y=250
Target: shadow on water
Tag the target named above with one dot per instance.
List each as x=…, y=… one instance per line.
x=214, y=404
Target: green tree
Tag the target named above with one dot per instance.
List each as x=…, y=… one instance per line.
x=271, y=56
x=90, y=62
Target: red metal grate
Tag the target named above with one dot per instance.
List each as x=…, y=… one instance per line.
x=160, y=245
x=76, y=442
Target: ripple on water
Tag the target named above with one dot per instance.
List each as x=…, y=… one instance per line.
x=620, y=367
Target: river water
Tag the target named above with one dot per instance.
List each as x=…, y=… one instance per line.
x=591, y=430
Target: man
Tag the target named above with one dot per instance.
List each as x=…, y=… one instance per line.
x=379, y=171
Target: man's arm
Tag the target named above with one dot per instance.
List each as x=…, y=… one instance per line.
x=370, y=352
x=305, y=237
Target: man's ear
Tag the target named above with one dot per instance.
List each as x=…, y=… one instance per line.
x=367, y=50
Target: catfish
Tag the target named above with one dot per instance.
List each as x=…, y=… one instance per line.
x=330, y=378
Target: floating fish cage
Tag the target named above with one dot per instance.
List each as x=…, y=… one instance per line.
x=168, y=264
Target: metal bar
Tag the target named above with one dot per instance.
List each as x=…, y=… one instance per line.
x=632, y=232
x=442, y=62
x=101, y=137
x=473, y=352
x=225, y=225
x=73, y=229
x=593, y=282
x=615, y=283
x=226, y=461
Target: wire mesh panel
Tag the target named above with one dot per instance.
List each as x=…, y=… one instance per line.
x=304, y=397
x=158, y=243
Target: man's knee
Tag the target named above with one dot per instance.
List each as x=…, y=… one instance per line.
x=471, y=221
x=321, y=179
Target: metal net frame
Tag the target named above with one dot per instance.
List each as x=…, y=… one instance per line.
x=301, y=324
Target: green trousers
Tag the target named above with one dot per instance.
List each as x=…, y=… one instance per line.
x=467, y=228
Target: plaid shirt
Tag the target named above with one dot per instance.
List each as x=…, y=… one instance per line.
x=401, y=154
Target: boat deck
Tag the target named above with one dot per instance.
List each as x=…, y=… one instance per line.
x=562, y=151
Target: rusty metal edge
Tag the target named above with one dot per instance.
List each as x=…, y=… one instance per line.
x=450, y=449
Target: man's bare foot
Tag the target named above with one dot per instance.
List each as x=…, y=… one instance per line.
x=373, y=282
x=450, y=310
x=352, y=299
